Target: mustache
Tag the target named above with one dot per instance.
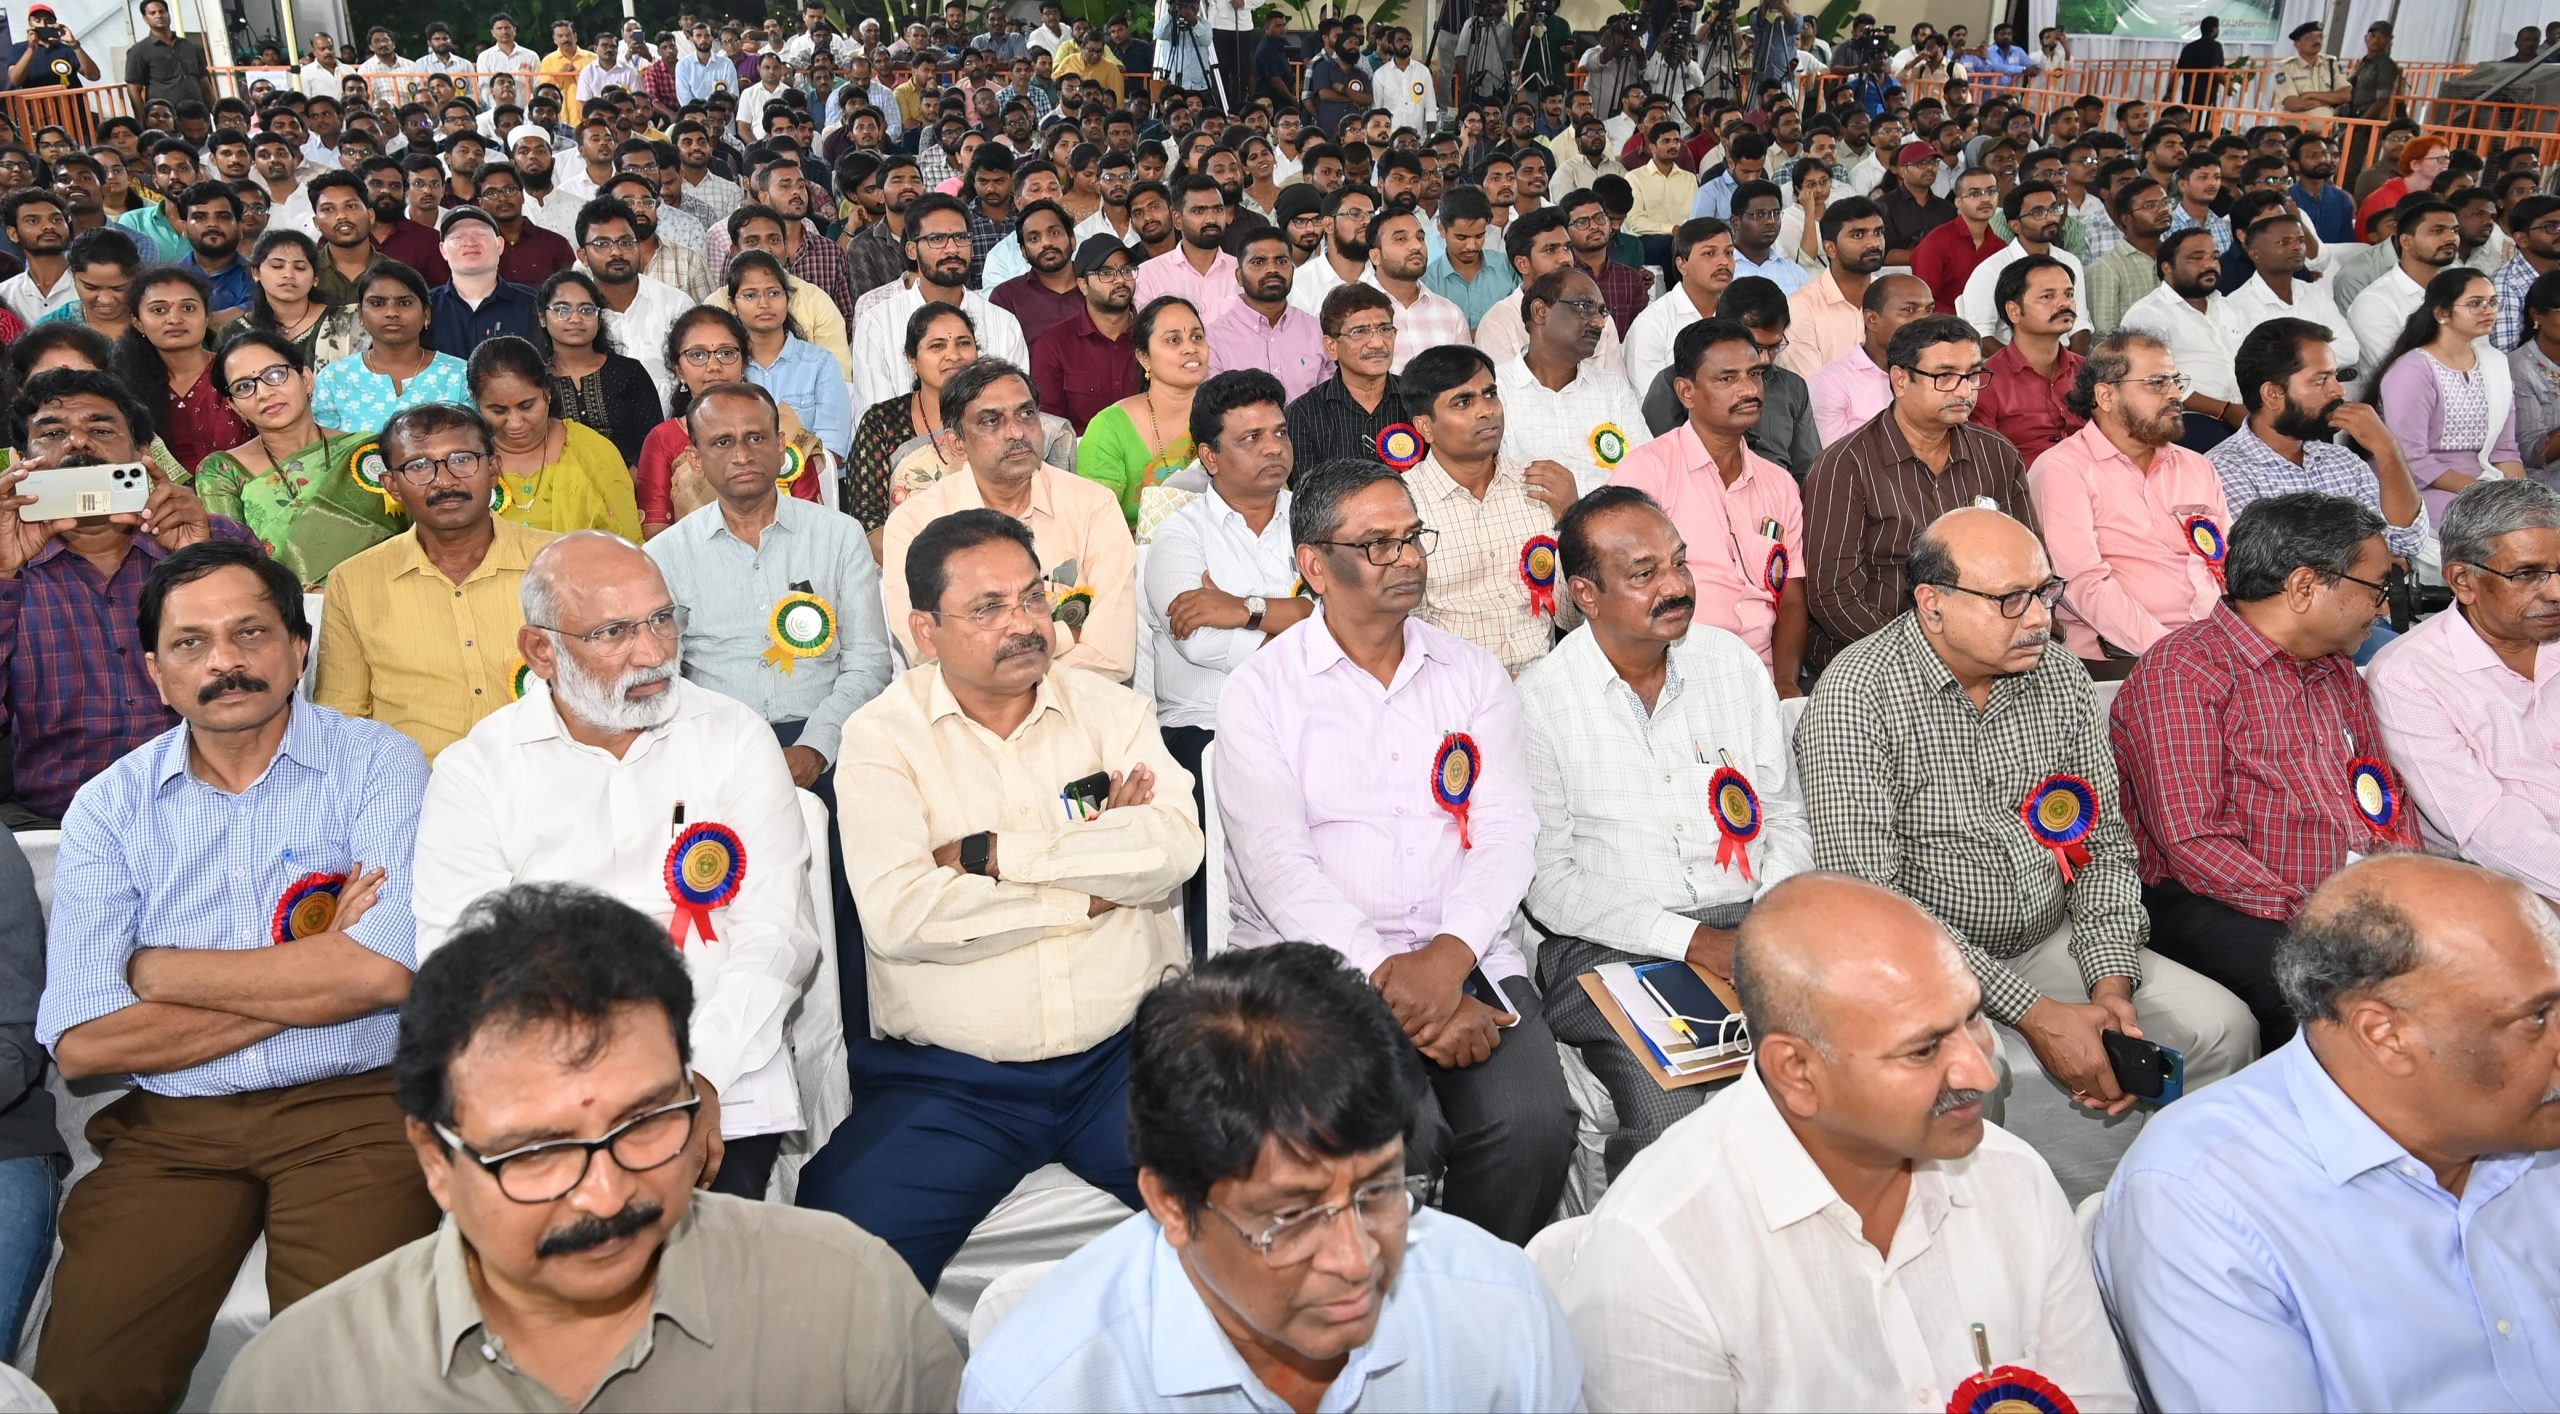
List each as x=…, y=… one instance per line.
x=1954, y=1100
x=1678, y=604
x=236, y=680
x=588, y=1233
x=1021, y=646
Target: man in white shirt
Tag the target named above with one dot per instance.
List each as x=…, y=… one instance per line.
x=1632, y=721
x=324, y=75
x=1347, y=211
x=1406, y=89
x=2427, y=242
x=1537, y=244
x=638, y=310
x=1561, y=401
x=1051, y=32
x=613, y=737
x=2274, y=243
x=2185, y=313
x=40, y=223
x=1398, y=254
x=938, y=246
x=1833, y=1230
x=608, y=71
x=2035, y=214
x=505, y=56
x=1702, y=251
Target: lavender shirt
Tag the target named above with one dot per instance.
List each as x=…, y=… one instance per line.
x=2413, y=402
x=1293, y=349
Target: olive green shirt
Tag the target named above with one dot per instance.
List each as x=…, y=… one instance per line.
x=758, y=1306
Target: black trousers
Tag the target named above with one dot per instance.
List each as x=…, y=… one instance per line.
x=1501, y=1131
x=853, y=983
x=2233, y=948
x=1187, y=745
x=746, y=1166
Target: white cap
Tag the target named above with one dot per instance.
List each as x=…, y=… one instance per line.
x=522, y=131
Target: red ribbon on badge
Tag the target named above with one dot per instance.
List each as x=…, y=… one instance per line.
x=1538, y=560
x=1737, y=810
x=1453, y=779
x=2060, y=814
x=705, y=866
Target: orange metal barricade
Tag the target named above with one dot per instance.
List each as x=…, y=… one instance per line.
x=77, y=111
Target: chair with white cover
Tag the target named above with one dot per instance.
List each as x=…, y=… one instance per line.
x=1213, y=857
x=311, y=660
x=815, y=1028
x=1001, y=1296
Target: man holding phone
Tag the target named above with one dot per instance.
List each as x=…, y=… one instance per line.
x=52, y=57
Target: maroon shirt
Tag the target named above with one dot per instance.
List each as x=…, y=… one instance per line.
x=1945, y=258
x=535, y=256
x=1622, y=287
x=2024, y=406
x=1035, y=306
x=415, y=246
x=1078, y=372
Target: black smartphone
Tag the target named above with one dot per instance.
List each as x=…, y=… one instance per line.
x=1086, y=796
x=2145, y=1069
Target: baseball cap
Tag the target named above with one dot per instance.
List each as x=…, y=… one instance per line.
x=1914, y=152
x=1097, y=249
x=460, y=214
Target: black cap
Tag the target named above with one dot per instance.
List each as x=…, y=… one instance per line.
x=2307, y=27
x=2378, y=27
x=460, y=214
x=1296, y=199
x=1097, y=249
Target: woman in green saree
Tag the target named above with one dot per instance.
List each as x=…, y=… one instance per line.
x=1139, y=441
x=312, y=496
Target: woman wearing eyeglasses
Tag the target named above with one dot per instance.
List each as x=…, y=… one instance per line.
x=285, y=266
x=400, y=370
x=2448, y=397
x=554, y=474
x=595, y=383
x=707, y=347
x=295, y=484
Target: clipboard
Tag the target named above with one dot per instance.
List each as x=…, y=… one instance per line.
x=1627, y=1036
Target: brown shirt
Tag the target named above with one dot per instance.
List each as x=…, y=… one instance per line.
x=758, y=1306
x=1868, y=497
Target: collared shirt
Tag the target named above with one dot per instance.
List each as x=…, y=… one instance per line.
x=1429, y=322
x=2383, y=308
x=1911, y=787
x=2250, y=470
x=2021, y=404
x=737, y=1283
x=1623, y=288
x=2220, y=1250
x=1662, y=199
x=1975, y=305
x=1206, y=536
x=1079, y=372
x=1325, y=780
x=1033, y=305
x=155, y=857
x=1869, y=497
x=1503, y=334
x=2332, y=213
x=1732, y=552
x=2199, y=339
x=1628, y=854
x=1946, y=258
x=2480, y=746
x=2214, y=224
x=2116, y=281
x=1012, y=968
x=31, y=304
x=534, y=256
x=2511, y=281
x=733, y=590
x=457, y=326
x=76, y=694
x=880, y=367
x=1649, y=338
x=2120, y=535
x=1494, y=279
x=1311, y=282
x=1570, y=425
x=1292, y=350
x=1907, y=222
x=1328, y=422
x=808, y=380
x=2238, y=763
x=1083, y=540
x=2254, y=303
x=2296, y=77
x=1848, y=393
x=876, y=256
x=641, y=331
x=2537, y=389
x=1788, y=276
x=231, y=287
x=1823, y=325
x=404, y=645
x=1476, y=588
x=1730, y=1274
x=1211, y=291
x=1121, y=1325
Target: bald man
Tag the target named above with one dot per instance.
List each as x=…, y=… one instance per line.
x=1828, y=1232
x=2366, y=1218
x=615, y=772
x=1924, y=750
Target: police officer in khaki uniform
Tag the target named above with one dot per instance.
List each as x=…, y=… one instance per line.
x=2310, y=84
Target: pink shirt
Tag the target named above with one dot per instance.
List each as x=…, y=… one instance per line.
x=2119, y=535
x=1822, y=325
x=1726, y=527
x=1847, y=393
x=1292, y=349
x=1172, y=274
x=2478, y=745
x=1325, y=782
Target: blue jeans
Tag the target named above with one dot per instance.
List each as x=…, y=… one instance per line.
x=30, y=1191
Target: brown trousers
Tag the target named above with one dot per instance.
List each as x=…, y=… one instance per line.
x=153, y=1238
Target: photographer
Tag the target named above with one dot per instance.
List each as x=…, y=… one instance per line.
x=1773, y=43
x=52, y=57
x=1615, y=62
x=1544, y=43
x=1672, y=69
x=1485, y=50
x=1184, y=59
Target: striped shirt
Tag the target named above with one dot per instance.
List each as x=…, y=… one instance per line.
x=1868, y=497
x=1431, y=320
x=1328, y=422
x=1476, y=588
x=1909, y=786
x=1570, y=425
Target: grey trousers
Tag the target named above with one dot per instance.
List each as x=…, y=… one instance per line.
x=1502, y=1130
x=1644, y=1108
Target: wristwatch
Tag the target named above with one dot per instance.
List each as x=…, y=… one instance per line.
x=1253, y=607
x=974, y=850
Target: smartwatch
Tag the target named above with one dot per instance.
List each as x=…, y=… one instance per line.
x=1254, y=606
x=974, y=850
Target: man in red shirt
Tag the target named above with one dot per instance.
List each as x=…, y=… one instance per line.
x=2253, y=766
x=1087, y=361
x=532, y=254
x=2022, y=394
x=1945, y=257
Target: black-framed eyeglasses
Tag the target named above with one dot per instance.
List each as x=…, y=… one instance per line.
x=1950, y=381
x=1383, y=1207
x=2381, y=591
x=2013, y=605
x=2528, y=580
x=272, y=376
x=1388, y=549
x=421, y=471
x=553, y=1169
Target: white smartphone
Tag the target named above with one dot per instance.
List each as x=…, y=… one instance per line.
x=71, y=492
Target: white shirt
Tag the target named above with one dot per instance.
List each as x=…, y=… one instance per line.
x=557, y=213
x=1099, y=224
x=1649, y=336
x=1975, y=306
x=1406, y=91
x=1868, y=175
x=497, y=804
x=1562, y=426
x=2254, y=304
x=2201, y=342
x=1627, y=840
x=30, y=304
x=2379, y=313
x=1722, y=1271
x=799, y=48
x=596, y=78
x=1313, y=281
x=1431, y=320
x=751, y=101
x=1047, y=37
x=880, y=370
x=641, y=330
x=331, y=80
x=1503, y=334
x=518, y=60
x=1207, y=535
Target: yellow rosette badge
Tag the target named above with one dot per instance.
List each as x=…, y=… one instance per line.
x=802, y=626
x=372, y=473
x=1071, y=605
x=1608, y=444
x=793, y=463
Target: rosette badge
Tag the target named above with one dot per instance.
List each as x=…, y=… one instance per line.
x=308, y=908
x=2377, y=799
x=1608, y=444
x=2060, y=813
x=705, y=867
x=521, y=679
x=1453, y=779
x=1773, y=575
x=2205, y=538
x=1737, y=808
x=1071, y=605
x=1399, y=446
x=1538, y=560
x=801, y=626
x=793, y=463
x=373, y=473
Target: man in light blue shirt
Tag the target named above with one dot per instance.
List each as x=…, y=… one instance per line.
x=1746, y=160
x=231, y=935
x=2367, y=1218
x=1269, y=1094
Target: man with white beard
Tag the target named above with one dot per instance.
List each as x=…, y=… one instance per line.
x=614, y=772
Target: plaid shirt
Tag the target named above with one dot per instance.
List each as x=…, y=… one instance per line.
x=2251, y=471
x=985, y=234
x=2216, y=225
x=72, y=688
x=658, y=82
x=2511, y=281
x=1475, y=588
x=1624, y=289
x=820, y=262
x=1909, y=786
x=876, y=257
x=2236, y=760
x=1328, y=422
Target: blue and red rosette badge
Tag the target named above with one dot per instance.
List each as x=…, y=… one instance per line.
x=1399, y=446
x=2010, y=1389
x=2060, y=814
x=2205, y=538
x=1737, y=810
x=2377, y=799
x=1538, y=571
x=705, y=866
x=1773, y=576
x=1453, y=779
x=309, y=907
